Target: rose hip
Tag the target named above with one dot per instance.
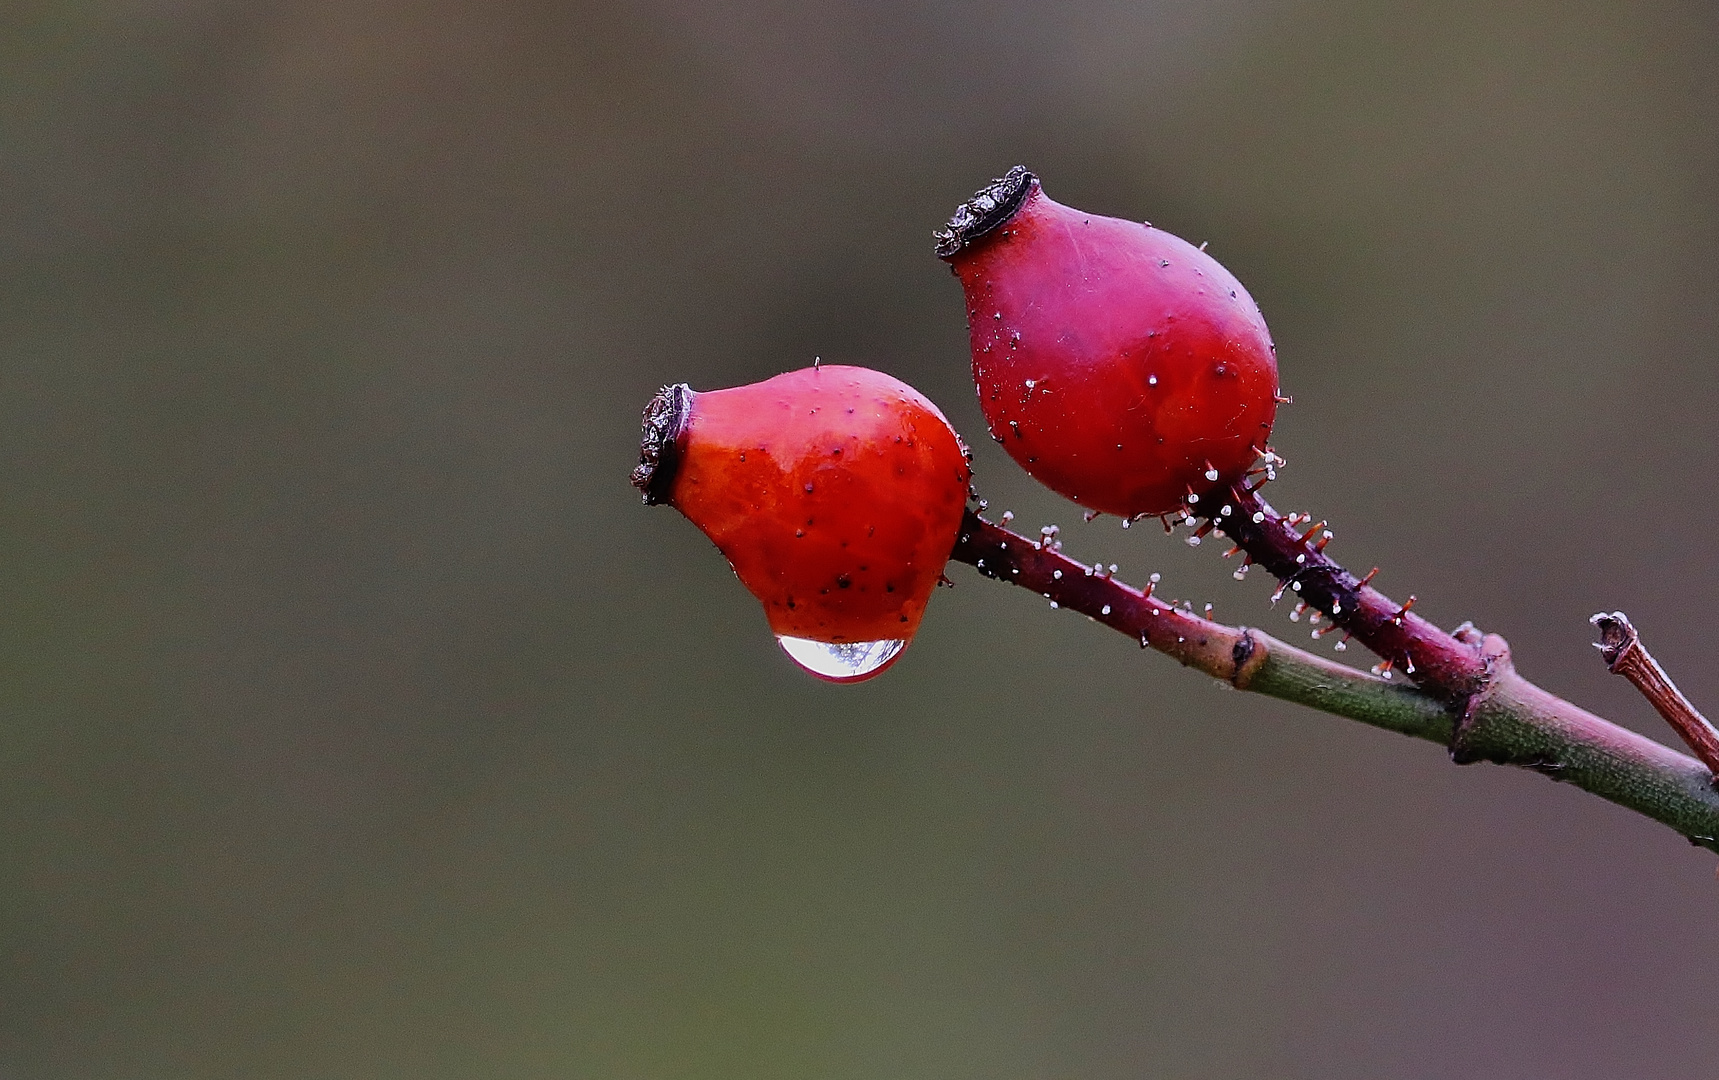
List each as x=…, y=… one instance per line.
x=1119, y=365
x=836, y=494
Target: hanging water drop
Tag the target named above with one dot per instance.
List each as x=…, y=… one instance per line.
x=842, y=661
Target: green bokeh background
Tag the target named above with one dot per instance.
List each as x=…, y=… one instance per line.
x=357, y=721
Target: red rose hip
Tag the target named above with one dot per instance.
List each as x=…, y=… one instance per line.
x=1119, y=365
x=836, y=494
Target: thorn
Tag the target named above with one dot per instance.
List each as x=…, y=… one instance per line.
x=816, y=362
x=1323, y=540
x=1404, y=610
x=1284, y=399
x=1295, y=614
x=944, y=582
x=1368, y=578
x=1309, y=533
x=1008, y=516
x=1278, y=595
x=1343, y=645
x=1232, y=551
x=1382, y=669
x=1208, y=611
x=1089, y=516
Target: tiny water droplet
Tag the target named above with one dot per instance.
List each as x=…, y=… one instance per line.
x=1053, y=603
x=1105, y=610
x=848, y=661
x=1151, y=380
x=1056, y=575
x=1211, y=474
x=1258, y=516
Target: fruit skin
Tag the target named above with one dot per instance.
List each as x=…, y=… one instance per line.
x=835, y=492
x=1116, y=363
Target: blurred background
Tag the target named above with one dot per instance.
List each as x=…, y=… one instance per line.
x=357, y=721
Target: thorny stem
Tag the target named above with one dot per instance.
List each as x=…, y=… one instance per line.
x=1505, y=719
x=1625, y=655
x=1451, y=670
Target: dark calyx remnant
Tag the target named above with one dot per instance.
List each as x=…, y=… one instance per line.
x=664, y=428
x=991, y=206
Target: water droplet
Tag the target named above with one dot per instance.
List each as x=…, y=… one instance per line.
x=837, y=661
x=1056, y=575
x=1258, y=516
x=1151, y=380
x=1211, y=474
x=1105, y=610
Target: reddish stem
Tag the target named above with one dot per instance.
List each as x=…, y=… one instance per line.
x=1625, y=655
x=996, y=552
x=1452, y=669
